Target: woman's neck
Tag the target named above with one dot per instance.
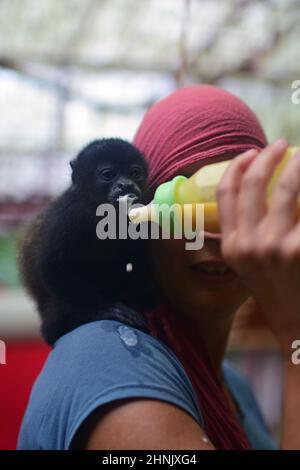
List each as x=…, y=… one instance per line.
x=213, y=332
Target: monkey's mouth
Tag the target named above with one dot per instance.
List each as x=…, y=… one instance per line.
x=128, y=199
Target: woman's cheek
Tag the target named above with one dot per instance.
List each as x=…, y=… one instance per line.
x=166, y=255
x=170, y=267
x=181, y=285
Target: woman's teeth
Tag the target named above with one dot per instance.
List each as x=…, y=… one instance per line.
x=213, y=272
x=212, y=268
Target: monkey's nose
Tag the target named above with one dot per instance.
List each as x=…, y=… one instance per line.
x=125, y=187
x=128, y=190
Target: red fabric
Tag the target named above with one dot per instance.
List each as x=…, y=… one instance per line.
x=24, y=361
x=191, y=124
x=195, y=123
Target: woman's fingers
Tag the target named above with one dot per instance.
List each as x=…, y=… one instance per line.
x=252, y=204
x=284, y=205
x=251, y=241
x=228, y=190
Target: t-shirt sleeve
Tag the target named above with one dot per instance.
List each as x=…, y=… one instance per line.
x=252, y=419
x=99, y=363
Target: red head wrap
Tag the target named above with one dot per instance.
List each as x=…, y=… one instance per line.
x=191, y=124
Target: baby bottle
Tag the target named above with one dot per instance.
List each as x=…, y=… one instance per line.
x=200, y=188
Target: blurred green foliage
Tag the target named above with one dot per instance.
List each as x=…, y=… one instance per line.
x=8, y=260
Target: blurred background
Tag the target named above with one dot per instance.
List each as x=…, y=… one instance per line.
x=75, y=70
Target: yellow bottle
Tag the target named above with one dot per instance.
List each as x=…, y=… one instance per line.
x=200, y=188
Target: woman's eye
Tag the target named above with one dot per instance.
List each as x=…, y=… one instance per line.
x=137, y=174
x=107, y=174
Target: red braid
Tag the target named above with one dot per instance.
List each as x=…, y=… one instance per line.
x=220, y=423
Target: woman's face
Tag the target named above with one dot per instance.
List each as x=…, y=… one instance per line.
x=196, y=281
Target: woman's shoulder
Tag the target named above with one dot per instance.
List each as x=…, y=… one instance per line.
x=116, y=355
x=95, y=364
x=114, y=343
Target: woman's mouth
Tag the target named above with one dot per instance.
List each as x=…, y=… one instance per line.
x=213, y=271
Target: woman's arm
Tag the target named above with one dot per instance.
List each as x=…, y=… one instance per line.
x=261, y=242
x=140, y=424
x=291, y=406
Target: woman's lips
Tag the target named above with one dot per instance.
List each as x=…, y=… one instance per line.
x=213, y=271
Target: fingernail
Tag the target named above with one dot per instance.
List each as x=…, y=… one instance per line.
x=280, y=142
x=250, y=152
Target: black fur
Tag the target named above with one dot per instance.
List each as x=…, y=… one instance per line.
x=74, y=277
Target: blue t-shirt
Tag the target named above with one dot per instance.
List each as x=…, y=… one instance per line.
x=106, y=360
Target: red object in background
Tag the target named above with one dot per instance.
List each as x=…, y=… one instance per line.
x=24, y=360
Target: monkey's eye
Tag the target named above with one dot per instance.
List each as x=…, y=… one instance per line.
x=107, y=174
x=137, y=173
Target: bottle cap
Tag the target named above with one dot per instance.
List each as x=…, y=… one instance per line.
x=164, y=198
x=166, y=192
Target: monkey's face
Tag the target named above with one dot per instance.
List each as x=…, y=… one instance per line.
x=115, y=180
x=107, y=169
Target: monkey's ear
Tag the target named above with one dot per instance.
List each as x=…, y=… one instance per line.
x=74, y=166
x=73, y=163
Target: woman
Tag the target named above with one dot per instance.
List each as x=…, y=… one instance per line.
x=107, y=386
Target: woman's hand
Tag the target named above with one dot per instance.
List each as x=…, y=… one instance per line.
x=261, y=242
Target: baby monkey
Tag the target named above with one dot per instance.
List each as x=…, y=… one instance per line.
x=73, y=276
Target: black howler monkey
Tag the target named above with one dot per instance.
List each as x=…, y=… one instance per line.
x=73, y=276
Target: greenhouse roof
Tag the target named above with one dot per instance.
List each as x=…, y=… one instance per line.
x=74, y=70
